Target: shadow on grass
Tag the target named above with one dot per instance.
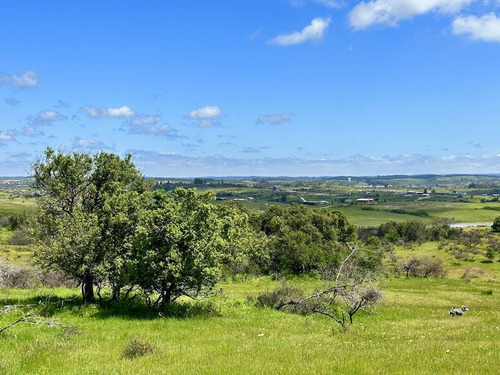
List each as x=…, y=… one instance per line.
x=49, y=305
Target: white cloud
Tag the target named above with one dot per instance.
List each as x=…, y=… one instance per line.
x=28, y=79
x=16, y=164
x=174, y=165
x=485, y=28
x=112, y=112
x=46, y=118
x=205, y=112
x=206, y=116
x=163, y=130
x=6, y=136
x=89, y=144
x=145, y=120
x=10, y=135
x=275, y=119
x=315, y=31
x=390, y=12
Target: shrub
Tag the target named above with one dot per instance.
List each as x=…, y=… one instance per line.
x=137, y=347
x=278, y=297
x=422, y=267
x=19, y=237
x=496, y=225
x=14, y=277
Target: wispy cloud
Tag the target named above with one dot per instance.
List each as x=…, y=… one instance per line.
x=81, y=144
x=250, y=150
x=206, y=116
x=10, y=135
x=61, y=104
x=13, y=102
x=144, y=120
x=111, y=112
x=174, y=165
x=390, y=12
x=334, y=4
x=254, y=34
x=163, y=130
x=46, y=118
x=18, y=163
x=485, y=28
x=275, y=119
x=28, y=79
x=314, y=31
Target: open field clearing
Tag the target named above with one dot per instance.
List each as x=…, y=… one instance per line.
x=409, y=333
x=420, y=210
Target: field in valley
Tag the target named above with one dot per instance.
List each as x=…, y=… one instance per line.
x=409, y=332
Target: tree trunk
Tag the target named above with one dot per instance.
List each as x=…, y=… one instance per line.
x=116, y=292
x=88, y=288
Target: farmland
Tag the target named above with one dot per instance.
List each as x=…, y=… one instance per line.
x=409, y=332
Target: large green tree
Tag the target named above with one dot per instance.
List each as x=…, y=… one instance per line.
x=88, y=211
x=182, y=244
x=302, y=239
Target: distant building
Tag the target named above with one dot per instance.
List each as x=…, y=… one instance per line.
x=365, y=200
x=313, y=203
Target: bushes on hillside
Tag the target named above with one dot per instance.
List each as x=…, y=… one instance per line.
x=301, y=239
x=408, y=232
x=421, y=267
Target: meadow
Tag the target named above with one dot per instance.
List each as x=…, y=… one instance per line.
x=408, y=332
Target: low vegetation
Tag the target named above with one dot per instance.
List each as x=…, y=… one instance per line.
x=114, y=275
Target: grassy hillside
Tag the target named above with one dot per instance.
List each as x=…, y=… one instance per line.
x=409, y=333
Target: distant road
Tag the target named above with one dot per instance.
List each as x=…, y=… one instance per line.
x=468, y=225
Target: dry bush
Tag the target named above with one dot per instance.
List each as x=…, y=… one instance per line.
x=278, y=297
x=137, y=347
x=15, y=277
x=12, y=276
x=19, y=237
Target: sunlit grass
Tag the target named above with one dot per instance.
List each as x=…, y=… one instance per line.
x=409, y=333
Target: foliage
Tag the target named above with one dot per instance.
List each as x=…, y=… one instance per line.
x=88, y=208
x=277, y=298
x=302, y=239
x=496, y=225
x=411, y=231
x=181, y=244
x=421, y=267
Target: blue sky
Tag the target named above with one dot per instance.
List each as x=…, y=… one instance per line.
x=254, y=87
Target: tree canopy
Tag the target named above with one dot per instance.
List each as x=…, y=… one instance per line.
x=87, y=211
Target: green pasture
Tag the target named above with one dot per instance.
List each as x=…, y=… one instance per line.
x=409, y=333
x=373, y=215
x=10, y=205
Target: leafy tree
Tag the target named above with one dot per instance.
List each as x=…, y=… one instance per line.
x=87, y=211
x=182, y=243
x=496, y=225
x=302, y=239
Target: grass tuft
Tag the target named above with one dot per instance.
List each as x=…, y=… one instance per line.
x=137, y=347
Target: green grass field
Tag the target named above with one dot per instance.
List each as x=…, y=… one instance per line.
x=409, y=333
x=380, y=213
x=9, y=205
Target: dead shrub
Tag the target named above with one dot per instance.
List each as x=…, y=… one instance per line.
x=137, y=347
